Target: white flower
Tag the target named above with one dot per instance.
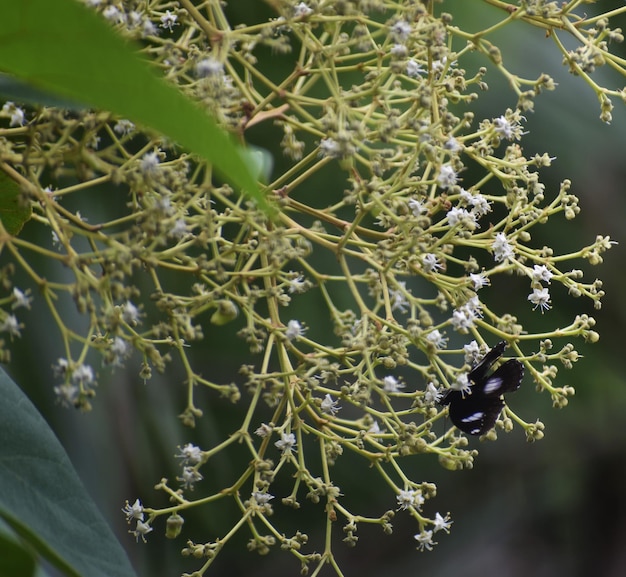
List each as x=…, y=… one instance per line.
x=190, y=454
x=11, y=325
x=189, y=477
x=503, y=127
x=540, y=297
x=168, y=20
x=447, y=176
x=67, y=395
x=472, y=351
x=479, y=280
x=286, y=443
x=301, y=10
x=430, y=263
x=130, y=313
x=409, y=498
x=442, y=523
x=541, y=273
x=480, y=205
x=417, y=207
x=453, y=145
x=20, y=299
x=436, y=339
x=15, y=113
x=391, y=384
x=179, y=230
x=134, y=511
x=262, y=498
x=425, y=540
x=113, y=14
x=400, y=31
x=83, y=374
x=329, y=148
x=263, y=431
x=329, y=406
x=208, y=67
x=458, y=215
x=124, y=127
x=502, y=250
x=399, y=50
x=141, y=531
x=294, y=330
x=150, y=162
x=298, y=284
x=414, y=68
x=398, y=298
x=431, y=396
x=462, y=384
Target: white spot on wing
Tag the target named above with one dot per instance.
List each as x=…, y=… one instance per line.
x=473, y=417
x=492, y=385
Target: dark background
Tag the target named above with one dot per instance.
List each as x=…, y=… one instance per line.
x=548, y=508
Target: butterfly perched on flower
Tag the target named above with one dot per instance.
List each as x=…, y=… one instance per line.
x=475, y=411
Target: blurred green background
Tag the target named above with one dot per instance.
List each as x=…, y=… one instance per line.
x=555, y=507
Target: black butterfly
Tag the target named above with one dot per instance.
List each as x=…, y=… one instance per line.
x=476, y=412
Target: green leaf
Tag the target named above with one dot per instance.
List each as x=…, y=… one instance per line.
x=65, y=48
x=15, y=560
x=43, y=500
x=12, y=213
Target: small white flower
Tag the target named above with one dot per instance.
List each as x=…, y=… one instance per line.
x=480, y=205
x=430, y=263
x=447, y=176
x=479, y=280
x=124, y=127
x=11, y=325
x=130, y=313
x=462, y=384
x=134, y=511
x=262, y=498
x=189, y=477
x=298, y=284
x=179, y=230
x=431, y=395
x=15, y=113
x=150, y=162
x=409, y=498
x=329, y=148
x=190, y=454
x=417, y=207
x=20, y=299
x=442, y=523
x=502, y=250
x=472, y=352
x=141, y=531
x=83, y=375
x=113, y=14
x=301, y=10
x=425, y=540
x=399, y=51
x=541, y=273
x=330, y=406
x=398, y=298
x=540, y=297
x=286, y=443
x=453, y=145
x=374, y=428
x=119, y=350
x=263, y=431
x=400, y=31
x=294, y=330
x=67, y=395
x=436, y=339
x=208, y=67
x=414, y=68
x=503, y=127
x=391, y=384
x=169, y=20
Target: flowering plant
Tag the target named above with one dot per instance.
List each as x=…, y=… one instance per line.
x=433, y=206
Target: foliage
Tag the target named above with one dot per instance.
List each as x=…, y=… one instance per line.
x=435, y=207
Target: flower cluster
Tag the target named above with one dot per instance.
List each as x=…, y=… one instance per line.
x=400, y=258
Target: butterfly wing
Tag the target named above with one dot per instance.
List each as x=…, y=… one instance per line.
x=507, y=378
x=482, y=368
x=475, y=414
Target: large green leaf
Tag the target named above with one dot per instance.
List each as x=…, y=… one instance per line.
x=64, y=47
x=43, y=500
